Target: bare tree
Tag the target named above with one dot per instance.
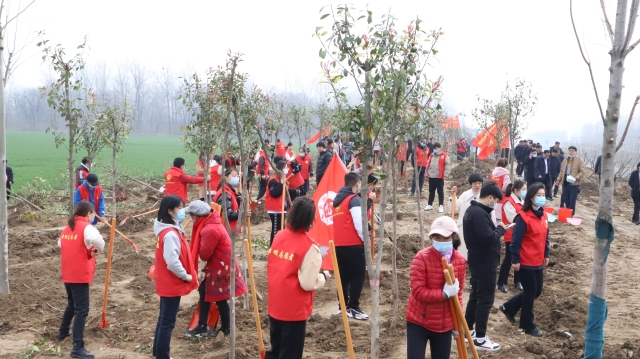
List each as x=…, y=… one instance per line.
x=621, y=46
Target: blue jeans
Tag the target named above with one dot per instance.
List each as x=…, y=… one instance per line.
x=570, y=196
x=420, y=180
x=166, y=322
x=77, y=309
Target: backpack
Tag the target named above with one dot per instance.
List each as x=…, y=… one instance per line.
x=295, y=167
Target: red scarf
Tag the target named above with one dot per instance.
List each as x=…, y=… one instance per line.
x=195, y=240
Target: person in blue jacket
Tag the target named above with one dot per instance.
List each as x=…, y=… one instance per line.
x=91, y=191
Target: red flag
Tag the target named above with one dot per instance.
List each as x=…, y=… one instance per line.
x=316, y=137
x=486, y=140
x=332, y=181
x=451, y=123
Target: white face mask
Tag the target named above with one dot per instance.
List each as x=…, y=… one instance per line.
x=302, y=154
x=285, y=171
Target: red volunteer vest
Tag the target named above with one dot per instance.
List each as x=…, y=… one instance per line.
x=214, y=178
x=402, y=152
x=305, y=163
x=77, y=266
x=85, y=195
x=441, y=164
x=421, y=157
x=358, y=165
x=343, y=226
x=295, y=180
x=290, y=153
x=461, y=146
x=270, y=203
x=509, y=233
x=498, y=180
x=266, y=164
x=234, y=204
x=534, y=239
x=287, y=300
x=280, y=149
x=173, y=185
x=167, y=284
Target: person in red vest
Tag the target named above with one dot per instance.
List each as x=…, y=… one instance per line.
x=529, y=255
x=438, y=168
x=175, y=180
x=289, y=152
x=215, y=174
x=293, y=276
x=83, y=171
x=461, y=149
x=262, y=170
x=500, y=175
x=347, y=221
x=91, y=191
x=281, y=149
x=233, y=199
x=79, y=244
x=421, y=154
x=401, y=156
x=306, y=163
x=273, y=198
x=210, y=241
x=175, y=274
x=429, y=316
x=295, y=182
x=511, y=205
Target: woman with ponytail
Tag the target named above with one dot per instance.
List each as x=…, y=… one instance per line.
x=79, y=245
x=511, y=205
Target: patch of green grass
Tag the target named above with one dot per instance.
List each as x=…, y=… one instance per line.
x=34, y=154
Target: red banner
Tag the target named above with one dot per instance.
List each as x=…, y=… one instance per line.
x=486, y=141
x=322, y=229
x=321, y=133
x=451, y=123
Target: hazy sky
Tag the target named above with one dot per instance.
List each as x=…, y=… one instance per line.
x=484, y=44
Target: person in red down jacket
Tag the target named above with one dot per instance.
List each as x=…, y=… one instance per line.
x=429, y=316
x=210, y=241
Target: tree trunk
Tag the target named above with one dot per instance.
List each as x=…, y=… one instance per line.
x=418, y=193
x=4, y=218
x=114, y=152
x=394, y=264
x=72, y=137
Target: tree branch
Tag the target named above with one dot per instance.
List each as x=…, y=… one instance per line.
x=593, y=81
x=633, y=14
x=626, y=129
x=606, y=20
x=18, y=14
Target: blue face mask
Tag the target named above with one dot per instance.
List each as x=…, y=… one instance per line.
x=436, y=151
x=442, y=247
x=540, y=201
x=523, y=194
x=180, y=215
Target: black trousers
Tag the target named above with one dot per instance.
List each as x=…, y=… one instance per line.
x=8, y=191
x=570, y=196
x=77, y=309
x=262, y=188
x=223, y=309
x=166, y=322
x=276, y=223
x=401, y=168
x=546, y=181
x=636, y=204
x=505, y=268
x=409, y=156
x=436, y=184
x=420, y=180
x=483, y=281
x=532, y=280
x=519, y=169
x=352, y=266
x=318, y=179
x=294, y=193
x=287, y=339
x=461, y=156
x=556, y=187
x=417, y=338
x=305, y=188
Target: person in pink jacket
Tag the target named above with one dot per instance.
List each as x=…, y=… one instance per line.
x=500, y=175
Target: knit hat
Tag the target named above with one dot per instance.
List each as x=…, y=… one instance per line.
x=198, y=208
x=444, y=226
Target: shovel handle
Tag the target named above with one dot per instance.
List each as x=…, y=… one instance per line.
x=113, y=229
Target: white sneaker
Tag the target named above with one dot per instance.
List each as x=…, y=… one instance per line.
x=428, y=208
x=441, y=209
x=357, y=314
x=486, y=344
x=473, y=335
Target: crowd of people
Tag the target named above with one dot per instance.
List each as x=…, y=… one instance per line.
x=494, y=210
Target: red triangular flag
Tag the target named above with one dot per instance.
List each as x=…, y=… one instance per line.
x=332, y=181
x=316, y=137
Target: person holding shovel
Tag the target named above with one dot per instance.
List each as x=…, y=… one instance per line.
x=210, y=241
x=79, y=245
x=293, y=276
x=429, y=315
x=274, y=196
x=175, y=274
x=511, y=205
x=529, y=255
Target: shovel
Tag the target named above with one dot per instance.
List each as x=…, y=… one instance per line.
x=103, y=324
x=136, y=216
x=113, y=228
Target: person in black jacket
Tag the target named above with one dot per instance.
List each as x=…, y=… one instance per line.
x=482, y=239
x=634, y=183
x=517, y=153
x=324, y=158
x=555, y=161
x=232, y=179
x=543, y=172
x=529, y=166
x=598, y=168
x=9, y=174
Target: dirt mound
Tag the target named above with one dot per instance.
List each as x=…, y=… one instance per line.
x=460, y=173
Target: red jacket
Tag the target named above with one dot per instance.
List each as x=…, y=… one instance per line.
x=294, y=180
x=274, y=203
x=421, y=156
x=214, y=177
x=97, y=193
x=461, y=147
x=426, y=306
x=305, y=163
x=232, y=196
x=167, y=283
x=175, y=183
x=263, y=171
x=441, y=164
x=509, y=233
x=77, y=265
x=402, y=152
x=498, y=180
x=344, y=227
x=281, y=149
x=81, y=175
x=534, y=241
x=215, y=249
x=287, y=300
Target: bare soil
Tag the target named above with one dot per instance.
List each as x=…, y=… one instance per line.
x=32, y=312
